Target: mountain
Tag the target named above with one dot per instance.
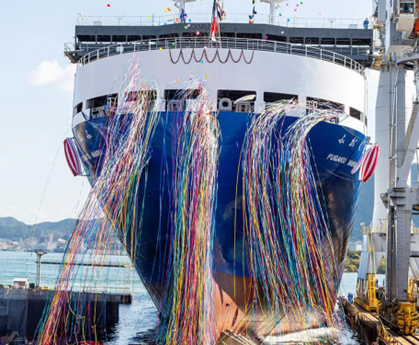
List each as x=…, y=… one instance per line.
x=11, y=222
x=12, y=229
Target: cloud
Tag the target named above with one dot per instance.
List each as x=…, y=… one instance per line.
x=51, y=73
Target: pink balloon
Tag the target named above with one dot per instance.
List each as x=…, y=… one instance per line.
x=197, y=33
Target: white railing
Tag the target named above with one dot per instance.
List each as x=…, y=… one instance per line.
x=223, y=43
x=292, y=22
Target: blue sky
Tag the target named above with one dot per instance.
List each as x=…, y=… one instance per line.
x=36, y=92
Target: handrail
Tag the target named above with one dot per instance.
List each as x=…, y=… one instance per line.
x=223, y=43
x=279, y=20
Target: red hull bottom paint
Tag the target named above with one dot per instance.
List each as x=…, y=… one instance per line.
x=234, y=311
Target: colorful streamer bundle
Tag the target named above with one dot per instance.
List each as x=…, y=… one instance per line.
x=187, y=315
x=294, y=274
x=114, y=193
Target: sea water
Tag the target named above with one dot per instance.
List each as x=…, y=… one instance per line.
x=138, y=321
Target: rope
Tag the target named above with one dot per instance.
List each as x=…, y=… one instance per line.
x=205, y=54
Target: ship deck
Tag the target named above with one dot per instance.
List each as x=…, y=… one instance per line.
x=341, y=37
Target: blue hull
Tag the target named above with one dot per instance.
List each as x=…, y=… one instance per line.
x=331, y=145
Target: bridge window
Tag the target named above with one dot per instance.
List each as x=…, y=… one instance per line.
x=228, y=34
x=172, y=35
x=271, y=97
x=119, y=38
x=312, y=40
x=277, y=38
x=361, y=42
x=249, y=35
x=86, y=38
x=343, y=41
x=236, y=100
x=328, y=41
x=297, y=40
x=189, y=34
x=355, y=113
x=103, y=38
x=149, y=37
x=133, y=38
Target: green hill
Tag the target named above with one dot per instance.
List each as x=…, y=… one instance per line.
x=12, y=229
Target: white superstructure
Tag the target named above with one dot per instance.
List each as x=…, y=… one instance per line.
x=292, y=72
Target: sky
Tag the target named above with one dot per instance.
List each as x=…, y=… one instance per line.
x=37, y=83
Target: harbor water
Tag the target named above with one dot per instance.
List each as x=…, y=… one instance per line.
x=138, y=321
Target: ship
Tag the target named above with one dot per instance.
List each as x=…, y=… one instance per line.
x=252, y=63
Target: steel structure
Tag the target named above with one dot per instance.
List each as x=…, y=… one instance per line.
x=397, y=133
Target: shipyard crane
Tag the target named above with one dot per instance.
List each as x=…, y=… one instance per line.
x=397, y=132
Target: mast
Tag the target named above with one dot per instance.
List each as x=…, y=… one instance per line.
x=214, y=9
x=272, y=11
x=215, y=22
x=180, y=4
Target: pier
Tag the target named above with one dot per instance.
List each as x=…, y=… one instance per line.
x=89, y=264
x=23, y=305
x=374, y=329
x=390, y=315
x=22, y=309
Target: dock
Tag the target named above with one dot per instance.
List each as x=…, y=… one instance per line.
x=88, y=264
x=373, y=328
x=21, y=309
